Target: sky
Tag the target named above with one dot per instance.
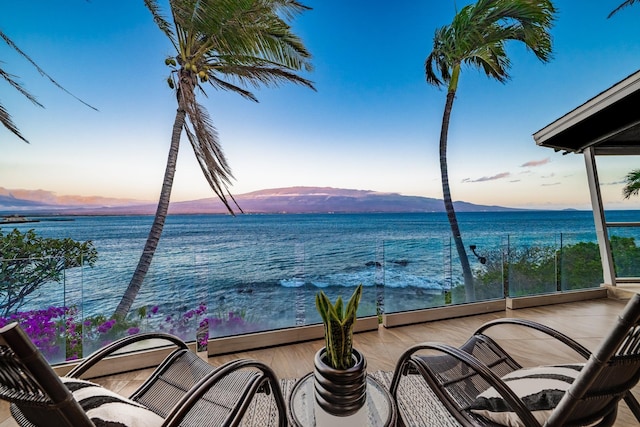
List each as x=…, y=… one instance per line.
x=373, y=123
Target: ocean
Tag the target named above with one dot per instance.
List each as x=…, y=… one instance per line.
x=269, y=267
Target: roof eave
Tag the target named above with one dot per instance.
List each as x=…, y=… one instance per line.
x=545, y=136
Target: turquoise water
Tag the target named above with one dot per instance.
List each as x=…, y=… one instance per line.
x=270, y=266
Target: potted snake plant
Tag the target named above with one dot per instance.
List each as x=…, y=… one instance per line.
x=340, y=370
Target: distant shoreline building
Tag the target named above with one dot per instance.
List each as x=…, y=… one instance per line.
x=16, y=219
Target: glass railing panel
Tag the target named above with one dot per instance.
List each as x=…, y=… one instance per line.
x=73, y=296
x=32, y=293
x=487, y=256
x=424, y=273
x=172, y=299
x=256, y=287
x=202, y=277
x=625, y=251
x=337, y=267
x=532, y=264
x=417, y=274
x=272, y=286
x=103, y=287
x=580, y=265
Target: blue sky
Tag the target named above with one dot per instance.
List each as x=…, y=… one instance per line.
x=373, y=123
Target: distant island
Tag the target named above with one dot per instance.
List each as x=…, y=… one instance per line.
x=277, y=200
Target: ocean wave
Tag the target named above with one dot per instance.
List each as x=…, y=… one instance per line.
x=390, y=279
x=294, y=282
x=400, y=280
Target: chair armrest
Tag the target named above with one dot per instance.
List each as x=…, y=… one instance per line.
x=109, y=349
x=569, y=342
x=473, y=364
x=253, y=384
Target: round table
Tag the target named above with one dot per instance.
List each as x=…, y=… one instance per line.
x=379, y=409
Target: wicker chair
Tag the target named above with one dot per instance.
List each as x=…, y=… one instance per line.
x=183, y=390
x=460, y=377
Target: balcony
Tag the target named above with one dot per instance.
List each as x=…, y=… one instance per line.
x=259, y=292
x=586, y=321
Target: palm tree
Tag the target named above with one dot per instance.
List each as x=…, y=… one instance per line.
x=228, y=44
x=5, y=117
x=632, y=184
x=477, y=37
x=622, y=6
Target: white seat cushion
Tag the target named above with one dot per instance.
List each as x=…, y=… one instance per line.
x=540, y=388
x=108, y=409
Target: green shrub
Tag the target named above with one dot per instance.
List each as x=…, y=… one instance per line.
x=28, y=261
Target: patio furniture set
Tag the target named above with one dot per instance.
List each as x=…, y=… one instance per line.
x=479, y=383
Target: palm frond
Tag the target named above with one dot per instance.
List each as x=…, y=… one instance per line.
x=289, y=8
x=221, y=84
x=160, y=20
x=622, y=6
x=493, y=60
x=8, y=41
x=278, y=43
x=437, y=62
x=431, y=75
x=524, y=21
x=632, y=184
x=251, y=28
x=6, y=121
x=220, y=189
x=206, y=146
x=17, y=86
x=254, y=72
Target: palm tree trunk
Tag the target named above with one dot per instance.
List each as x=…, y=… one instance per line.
x=448, y=204
x=158, y=222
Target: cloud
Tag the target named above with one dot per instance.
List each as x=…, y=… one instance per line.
x=614, y=183
x=534, y=163
x=550, y=185
x=488, y=178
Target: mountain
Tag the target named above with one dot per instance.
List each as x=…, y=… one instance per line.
x=279, y=200
x=326, y=199
x=42, y=199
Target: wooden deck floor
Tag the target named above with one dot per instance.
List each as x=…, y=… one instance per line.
x=586, y=321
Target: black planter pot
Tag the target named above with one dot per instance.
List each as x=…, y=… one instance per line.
x=340, y=392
